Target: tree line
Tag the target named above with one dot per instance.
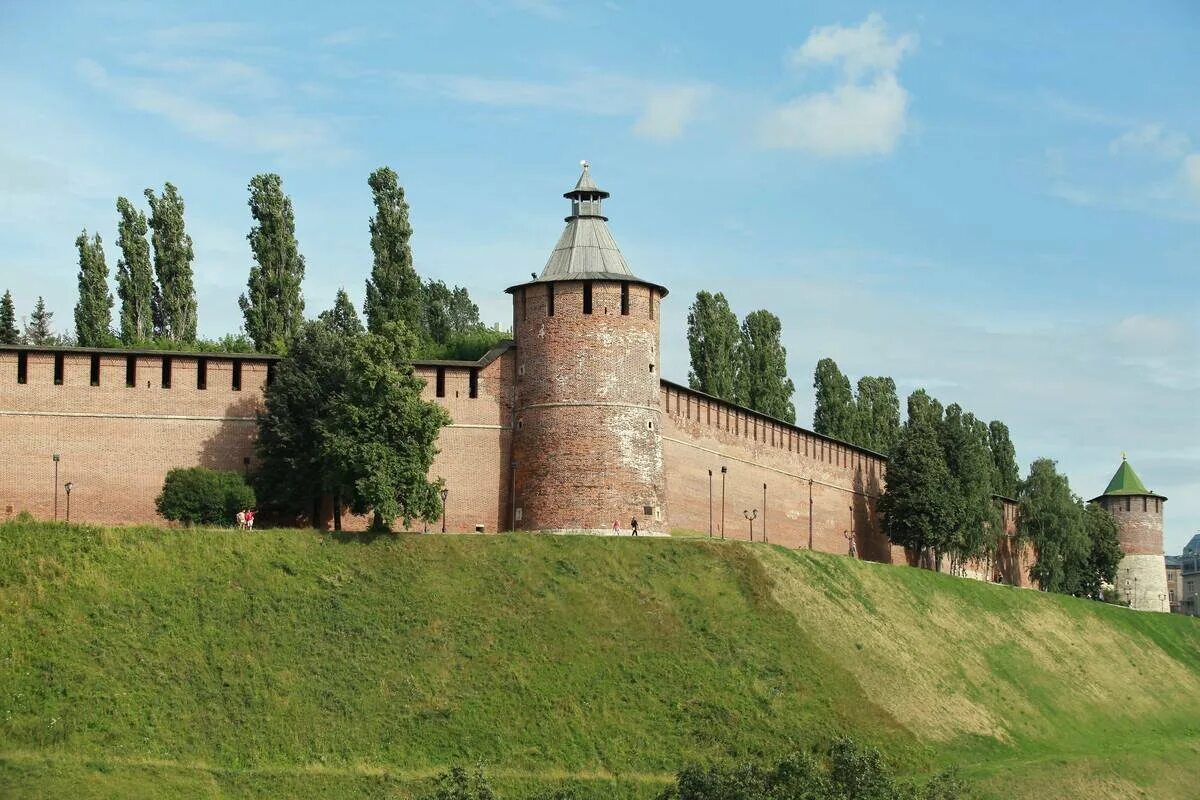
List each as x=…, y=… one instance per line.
x=946, y=468
x=156, y=297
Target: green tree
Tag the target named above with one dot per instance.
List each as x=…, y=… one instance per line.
x=463, y=312
x=173, y=265
x=39, y=330
x=8, y=320
x=342, y=317
x=1105, y=552
x=200, y=496
x=976, y=524
x=713, y=335
x=274, y=305
x=762, y=380
x=1007, y=474
x=380, y=437
x=135, y=275
x=93, y=311
x=394, y=291
x=876, y=413
x=919, y=504
x=834, y=412
x=1051, y=518
x=448, y=313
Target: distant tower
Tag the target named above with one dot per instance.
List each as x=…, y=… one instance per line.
x=586, y=444
x=1142, y=575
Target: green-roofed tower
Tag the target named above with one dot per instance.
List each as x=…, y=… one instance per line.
x=1142, y=574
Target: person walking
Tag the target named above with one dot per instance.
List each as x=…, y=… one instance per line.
x=633, y=525
x=241, y=519
x=250, y=519
x=616, y=528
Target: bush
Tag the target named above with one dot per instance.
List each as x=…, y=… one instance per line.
x=200, y=496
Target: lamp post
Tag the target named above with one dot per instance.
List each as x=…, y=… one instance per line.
x=55, y=457
x=810, y=510
x=68, y=486
x=445, y=494
x=1162, y=598
x=764, y=512
x=710, y=504
x=722, y=502
x=751, y=516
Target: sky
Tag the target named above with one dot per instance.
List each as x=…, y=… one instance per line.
x=999, y=203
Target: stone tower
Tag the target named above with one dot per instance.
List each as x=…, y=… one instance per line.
x=586, y=444
x=1142, y=575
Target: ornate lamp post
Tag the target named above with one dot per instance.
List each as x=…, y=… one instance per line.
x=55, y=457
x=710, y=529
x=445, y=494
x=68, y=485
x=750, y=517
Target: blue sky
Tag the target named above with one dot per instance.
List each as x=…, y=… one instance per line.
x=1002, y=206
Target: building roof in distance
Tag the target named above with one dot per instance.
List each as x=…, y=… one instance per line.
x=1192, y=548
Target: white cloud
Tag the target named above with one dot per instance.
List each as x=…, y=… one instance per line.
x=660, y=110
x=865, y=113
x=1152, y=140
x=850, y=120
x=1191, y=172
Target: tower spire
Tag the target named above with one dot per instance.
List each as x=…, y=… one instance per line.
x=586, y=197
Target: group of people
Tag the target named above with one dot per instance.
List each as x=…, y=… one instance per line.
x=245, y=519
x=632, y=525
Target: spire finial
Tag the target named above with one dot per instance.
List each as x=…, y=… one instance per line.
x=1122, y=455
x=584, y=164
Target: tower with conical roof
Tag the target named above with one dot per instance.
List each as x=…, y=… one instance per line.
x=587, y=451
x=1142, y=575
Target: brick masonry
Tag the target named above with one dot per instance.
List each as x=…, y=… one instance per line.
x=1141, y=575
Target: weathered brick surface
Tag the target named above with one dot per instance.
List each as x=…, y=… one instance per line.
x=586, y=441
x=1142, y=573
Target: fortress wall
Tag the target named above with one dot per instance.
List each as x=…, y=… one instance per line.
x=116, y=442
x=1139, y=521
x=702, y=433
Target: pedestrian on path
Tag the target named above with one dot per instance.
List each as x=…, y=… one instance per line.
x=633, y=524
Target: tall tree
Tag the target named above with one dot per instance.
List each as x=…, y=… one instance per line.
x=713, y=337
x=1051, y=518
x=834, y=412
x=39, y=330
x=877, y=414
x=463, y=312
x=1004, y=456
x=274, y=307
x=173, y=265
x=975, y=525
x=135, y=275
x=1105, y=550
x=394, y=291
x=342, y=317
x=762, y=380
x=93, y=311
x=918, y=505
x=8, y=320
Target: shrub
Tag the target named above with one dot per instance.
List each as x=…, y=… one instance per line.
x=200, y=496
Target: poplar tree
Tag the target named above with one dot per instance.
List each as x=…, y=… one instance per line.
x=173, y=265
x=8, y=320
x=713, y=335
x=274, y=307
x=342, y=317
x=762, y=380
x=38, y=330
x=93, y=311
x=1006, y=475
x=876, y=414
x=394, y=290
x=135, y=275
x=835, y=411
x=976, y=525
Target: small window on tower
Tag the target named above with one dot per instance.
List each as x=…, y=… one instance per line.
x=58, y=369
x=201, y=373
x=524, y=304
x=441, y=381
x=473, y=385
x=652, y=303
x=270, y=373
x=22, y=367
x=131, y=371
x=647, y=511
x=550, y=299
x=1145, y=502
x=237, y=374
x=94, y=372
x=1126, y=503
x=625, y=298
x=166, y=372
x=587, y=297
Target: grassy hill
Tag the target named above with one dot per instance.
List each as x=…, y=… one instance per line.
x=155, y=663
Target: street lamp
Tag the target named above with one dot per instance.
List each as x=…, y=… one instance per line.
x=723, y=469
x=445, y=494
x=764, y=512
x=68, y=486
x=55, y=457
x=1162, y=598
x=751, y=516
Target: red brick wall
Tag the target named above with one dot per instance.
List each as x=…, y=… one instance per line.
x=1139, y=523
x=586, y=442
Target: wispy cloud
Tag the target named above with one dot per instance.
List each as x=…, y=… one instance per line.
x=865, y=113
x=659, y=110
x=1151, y=139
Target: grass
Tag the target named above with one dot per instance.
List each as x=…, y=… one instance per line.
x=203, y=663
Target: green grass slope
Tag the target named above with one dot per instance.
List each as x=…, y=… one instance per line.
x=154, y=663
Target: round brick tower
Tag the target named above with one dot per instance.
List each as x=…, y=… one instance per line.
x=587, y=450
x=1142, y=575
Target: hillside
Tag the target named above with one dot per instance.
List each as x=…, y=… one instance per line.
x=154, y=663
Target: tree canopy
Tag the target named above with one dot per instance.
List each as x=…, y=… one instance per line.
x=762, y=380
x=274, y=305
x=93, y=310
x=135, y=275
x=833, y=414
x=394, y=290
x=713, y=337
x=8, y=320
x=176, y=295
x=39, y=329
